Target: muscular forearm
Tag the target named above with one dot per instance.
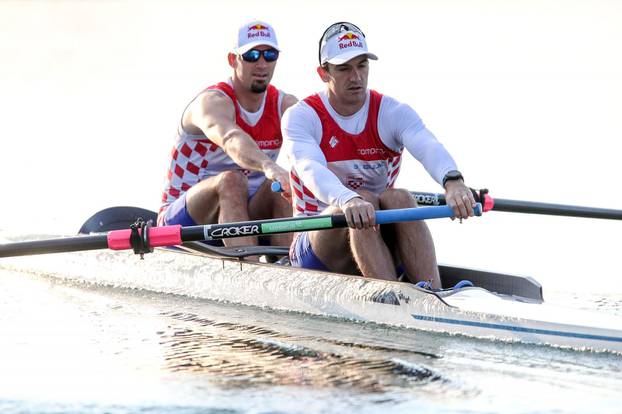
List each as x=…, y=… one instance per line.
x=243, y=150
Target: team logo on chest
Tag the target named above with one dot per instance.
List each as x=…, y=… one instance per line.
x=354, y=181
x=269, y=143
x=333, y=141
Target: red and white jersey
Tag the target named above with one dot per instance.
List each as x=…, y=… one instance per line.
x=359, y=161
x=332, y=155
x=195, y=157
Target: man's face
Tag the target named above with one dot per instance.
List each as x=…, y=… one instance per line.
x=255, y=76
x=348, y=82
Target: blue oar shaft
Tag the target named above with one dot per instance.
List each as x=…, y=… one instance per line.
x=419, y=213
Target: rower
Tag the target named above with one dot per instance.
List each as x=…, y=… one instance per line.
x=227, y=143
x=345, y=146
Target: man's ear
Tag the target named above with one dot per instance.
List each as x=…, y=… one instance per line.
x=323, y=74
x=231, y=58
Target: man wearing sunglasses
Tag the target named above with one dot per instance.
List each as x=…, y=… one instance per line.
x=227, y=144
x=345, y=146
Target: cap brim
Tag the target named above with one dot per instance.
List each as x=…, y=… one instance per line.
x=249, y=46
x=345, y=57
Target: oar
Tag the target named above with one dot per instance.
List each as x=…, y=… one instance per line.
x=511, y=206
x=528, y=207
x=142, y=238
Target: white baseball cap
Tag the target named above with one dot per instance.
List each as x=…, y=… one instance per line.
x=341, y=42
x=255, y=33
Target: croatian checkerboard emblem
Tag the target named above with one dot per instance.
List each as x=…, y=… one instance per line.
x=354, y=181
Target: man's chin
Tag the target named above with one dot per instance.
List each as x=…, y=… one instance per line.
x=355, y=96
x=259, y=87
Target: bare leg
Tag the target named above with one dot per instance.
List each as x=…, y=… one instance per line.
x=343, y=250
x=221, y=199
x=413, y=240
x=372, y=254
x=266, y=204
x=332, y=247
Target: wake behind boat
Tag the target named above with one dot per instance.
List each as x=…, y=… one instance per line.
x=498, y=306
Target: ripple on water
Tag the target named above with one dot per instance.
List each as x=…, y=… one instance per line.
x=241, y=355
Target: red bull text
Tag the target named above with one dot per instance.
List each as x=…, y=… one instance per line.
x=349, y=40
x=258, y=30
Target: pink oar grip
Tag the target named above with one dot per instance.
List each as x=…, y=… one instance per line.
x=158, y=236
x=488, y=203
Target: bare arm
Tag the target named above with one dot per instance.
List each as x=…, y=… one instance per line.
x=214, y=114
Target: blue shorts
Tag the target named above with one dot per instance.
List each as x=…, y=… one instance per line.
x=177, y=213
x=301, y=254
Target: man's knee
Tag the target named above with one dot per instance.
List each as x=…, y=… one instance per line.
x=232, y=182
x=396, y=198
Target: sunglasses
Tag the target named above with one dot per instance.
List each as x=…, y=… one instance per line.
x=253, y=55
x=333, y=30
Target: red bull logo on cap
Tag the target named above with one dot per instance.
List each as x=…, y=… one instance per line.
x=349, y=36
x=258, y=30
x=349, y=40
x=258, y=27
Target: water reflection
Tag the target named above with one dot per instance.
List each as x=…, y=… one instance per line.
x=238, y=355
x=126, y=350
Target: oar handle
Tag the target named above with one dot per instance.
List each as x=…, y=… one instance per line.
x=526, y=207
x=276, y=187
x=435, y=199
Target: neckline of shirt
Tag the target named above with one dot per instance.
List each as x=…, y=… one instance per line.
x=336, y=115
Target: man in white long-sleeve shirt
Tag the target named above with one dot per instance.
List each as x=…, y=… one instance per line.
x=345, y=145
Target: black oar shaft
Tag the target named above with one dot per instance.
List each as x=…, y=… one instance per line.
x=526, y=207
x=63, y=245
x=256, y=228
x=532, y=207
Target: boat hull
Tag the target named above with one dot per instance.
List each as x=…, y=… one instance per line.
x=474, y=312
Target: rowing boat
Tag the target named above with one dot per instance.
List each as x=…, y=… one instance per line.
x=499, y=306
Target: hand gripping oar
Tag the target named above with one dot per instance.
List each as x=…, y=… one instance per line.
x=142, y=237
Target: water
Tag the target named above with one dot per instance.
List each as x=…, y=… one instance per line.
x=78, y=347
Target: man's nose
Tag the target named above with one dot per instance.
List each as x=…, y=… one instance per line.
x=356, y=75
x=262, y=61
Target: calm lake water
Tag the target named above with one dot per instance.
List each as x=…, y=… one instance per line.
x=75, y=347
